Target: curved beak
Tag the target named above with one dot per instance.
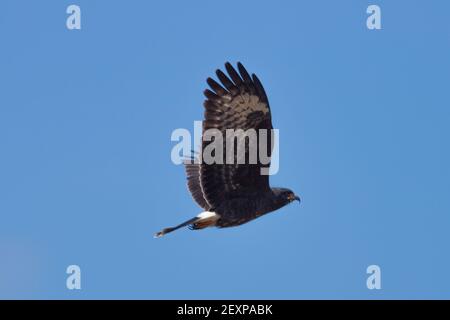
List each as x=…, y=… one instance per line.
x=297, y=198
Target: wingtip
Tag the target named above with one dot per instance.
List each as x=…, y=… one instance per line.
x=244, y=73
x=219, y=73
x=207, y=93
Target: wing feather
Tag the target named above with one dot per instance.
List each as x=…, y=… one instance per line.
x=239, y=102
x=194, y=186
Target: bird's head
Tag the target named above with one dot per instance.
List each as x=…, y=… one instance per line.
x=284, y=196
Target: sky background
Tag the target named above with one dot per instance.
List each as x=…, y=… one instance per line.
x=86, y=176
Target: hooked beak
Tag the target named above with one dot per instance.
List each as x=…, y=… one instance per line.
x=297, y=198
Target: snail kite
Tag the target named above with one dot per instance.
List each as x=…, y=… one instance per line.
x=231, y=194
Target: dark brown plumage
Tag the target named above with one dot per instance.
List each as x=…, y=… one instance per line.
x=232, y=194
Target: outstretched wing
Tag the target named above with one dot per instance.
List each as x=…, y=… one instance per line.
x=193, y=182
x=239, y=103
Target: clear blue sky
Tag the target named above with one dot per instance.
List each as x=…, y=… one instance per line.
x=85, y=170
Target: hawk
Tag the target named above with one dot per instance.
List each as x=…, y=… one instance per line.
x=232, y=194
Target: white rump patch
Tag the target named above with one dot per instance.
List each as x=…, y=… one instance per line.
x=208, y=215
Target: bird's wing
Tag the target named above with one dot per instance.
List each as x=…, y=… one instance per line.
x=239, y=103
x=193, y=182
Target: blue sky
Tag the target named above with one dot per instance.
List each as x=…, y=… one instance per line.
x=85, y=171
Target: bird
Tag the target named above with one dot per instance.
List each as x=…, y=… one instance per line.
x=231, y=194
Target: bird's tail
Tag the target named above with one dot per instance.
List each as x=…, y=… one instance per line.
x=203, y=220
x=168, y=230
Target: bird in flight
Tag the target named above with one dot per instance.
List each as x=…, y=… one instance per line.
x=234, y=193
